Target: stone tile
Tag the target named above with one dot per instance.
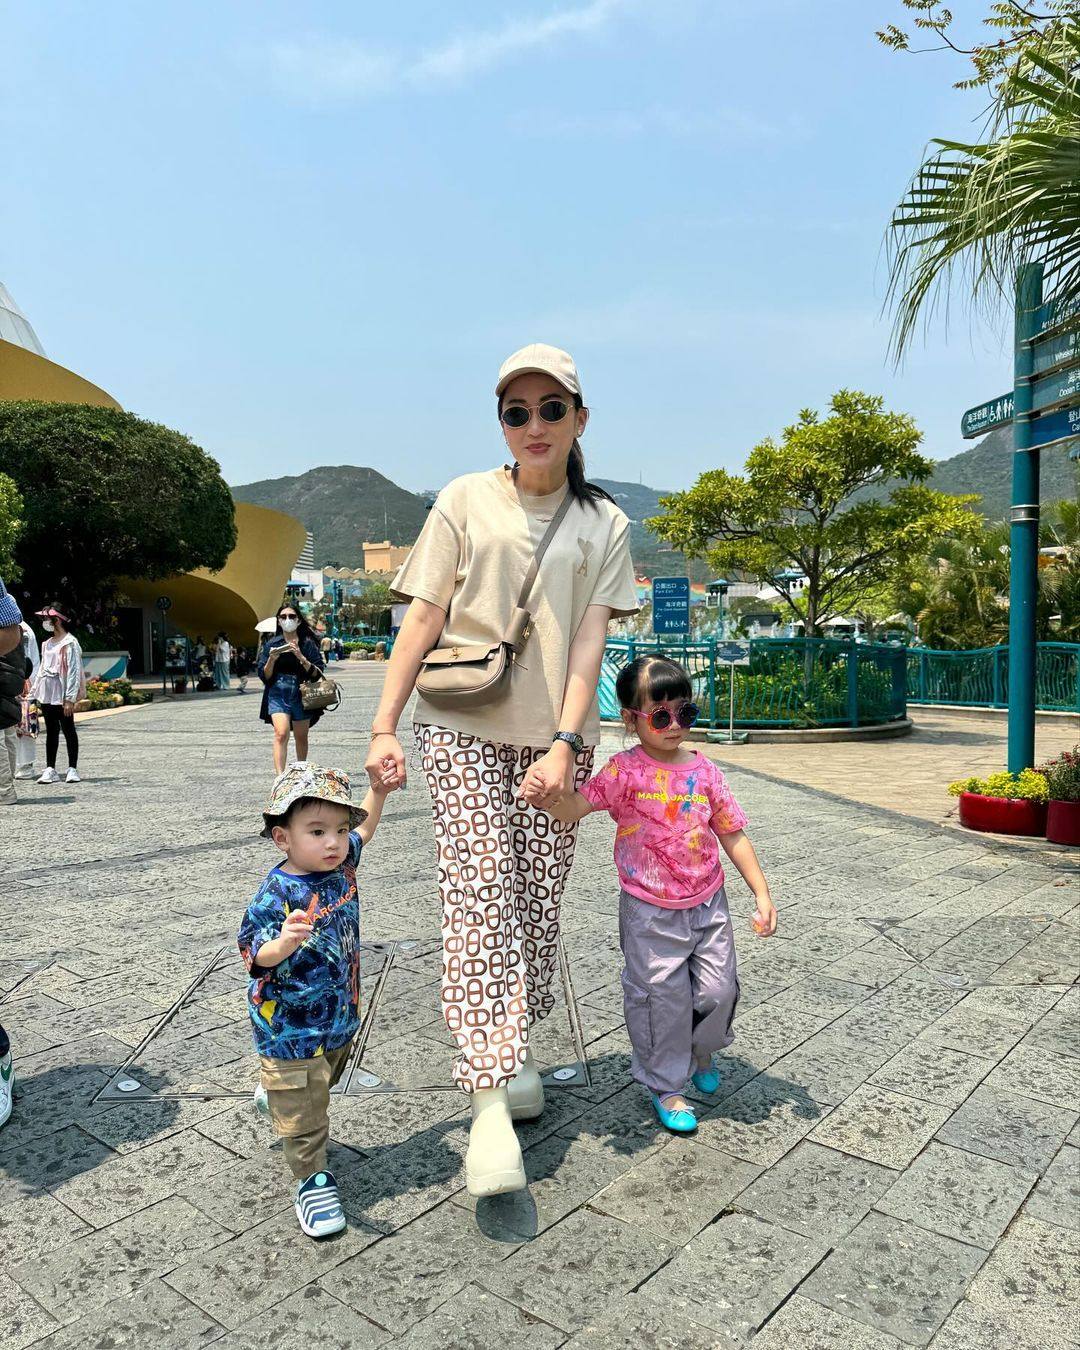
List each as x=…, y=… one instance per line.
x=1058, y=1032
x=975, y=1032
x=958, y=1194
x=820, y=995
x=130, y=1183
x=831, y=1064
x=396, y=1185
x=1016, y=1002
x=624, y=1124
x=584, y=1262
x=239, y=1280
x=476, y=1320
x=637, y=1323
x=970, y=1328
x=378, y=1121
x=802, y=1324
x=816, y=1191
x=1056, y=1199
x=167, y=1233
x=34, y=1164
x=1032, y=1281
x=1032, y=1072
x=881, y=1126
x=873, y=969
x=933, y=1073
x=79, y=1278
x=1017, y=1130
x=406, y=1277
x=896, y=1278
x=130, y=1127
x=732, y=1276
x=244, y=1193
x=35, y=1225
x=676, y=1191
x=761, y=1121
x=153, y=1315
x=24, y=1320
x=311, y=1317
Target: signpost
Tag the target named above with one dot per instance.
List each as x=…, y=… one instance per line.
x=670, y=605
x=995, y=413
x=734, y=654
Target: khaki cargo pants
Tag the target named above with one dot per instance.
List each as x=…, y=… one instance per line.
x=298, y=1091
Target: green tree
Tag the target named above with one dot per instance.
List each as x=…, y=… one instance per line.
x=372, y=603
x=108, y=495
x=984, y=208
x=11, y=526
x=792, y=515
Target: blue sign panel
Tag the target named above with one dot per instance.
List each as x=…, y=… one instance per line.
x=1055, y=351
x=995, y=412
x=671, y=605
x=1060, y=388
x=1055, y=313
x=1055, y=426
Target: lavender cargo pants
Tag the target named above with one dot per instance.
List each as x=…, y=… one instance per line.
x=679, y=986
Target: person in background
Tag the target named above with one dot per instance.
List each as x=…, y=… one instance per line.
x=286, y=660
x=243, y=667
x=58, y=685
x=326, y=646
x=10, y=642
x=26, y=746
x=222, y=656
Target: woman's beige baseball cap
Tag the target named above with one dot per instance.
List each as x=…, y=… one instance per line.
x=540, y=359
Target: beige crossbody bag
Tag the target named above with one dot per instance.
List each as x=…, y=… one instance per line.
x=469, y=677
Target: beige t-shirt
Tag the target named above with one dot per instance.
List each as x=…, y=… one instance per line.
x=471, y=560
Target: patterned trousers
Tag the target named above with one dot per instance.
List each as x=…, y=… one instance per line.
x=502, y=866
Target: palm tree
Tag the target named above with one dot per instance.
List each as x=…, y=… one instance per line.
x=988, y=208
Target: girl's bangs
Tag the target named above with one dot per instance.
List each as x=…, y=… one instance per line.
x=666, y=682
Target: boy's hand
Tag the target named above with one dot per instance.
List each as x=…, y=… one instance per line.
x=296, y=929
x=764, y=921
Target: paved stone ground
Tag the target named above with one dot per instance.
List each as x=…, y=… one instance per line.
x=891, y=1160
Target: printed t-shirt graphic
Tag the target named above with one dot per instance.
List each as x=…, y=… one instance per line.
x=310, y=1002
x=668, y=817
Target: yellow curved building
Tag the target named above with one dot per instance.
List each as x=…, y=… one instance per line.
x=233, y=600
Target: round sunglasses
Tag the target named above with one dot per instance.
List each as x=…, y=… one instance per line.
x=551, y=410
x=686, y=714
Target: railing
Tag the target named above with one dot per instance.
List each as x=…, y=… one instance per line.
x=980, y=678
x=790, y=682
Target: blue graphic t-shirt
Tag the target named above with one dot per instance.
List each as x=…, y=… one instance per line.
x=310, y=1002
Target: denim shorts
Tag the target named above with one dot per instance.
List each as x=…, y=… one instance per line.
x=283, y=696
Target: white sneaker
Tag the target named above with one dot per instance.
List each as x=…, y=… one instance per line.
x=49, y=776
x=72, y=776
x=7, y=1086
x=25, y=771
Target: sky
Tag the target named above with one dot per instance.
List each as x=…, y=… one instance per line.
x=309, y=235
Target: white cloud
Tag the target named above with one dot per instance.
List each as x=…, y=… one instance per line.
x=338, y=68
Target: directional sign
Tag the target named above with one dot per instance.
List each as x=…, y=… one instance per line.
x=1057, y=351
x=734, y=653
x=1053, y=314
x=994, y=412
x=1055, y=426
x=671, y=605
x=163, y=603
x=1061, y=387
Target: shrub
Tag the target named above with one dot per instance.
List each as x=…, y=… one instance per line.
x=1030, y=785
x=1063, y=776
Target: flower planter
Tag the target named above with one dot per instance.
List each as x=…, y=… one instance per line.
x=1002, y=815
x=1063, y=823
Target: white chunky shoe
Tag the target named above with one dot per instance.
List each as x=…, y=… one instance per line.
x=493, y=1164
x=526, y=1091
x=49, y=776
x=72, y=776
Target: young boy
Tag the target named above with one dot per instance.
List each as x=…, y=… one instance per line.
x=300, y=940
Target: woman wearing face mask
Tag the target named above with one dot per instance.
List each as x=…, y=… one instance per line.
x=502, y=864
x=58, y=685
x=286, y=660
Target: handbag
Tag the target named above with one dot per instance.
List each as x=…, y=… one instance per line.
x=469, y=677
x=321, y=695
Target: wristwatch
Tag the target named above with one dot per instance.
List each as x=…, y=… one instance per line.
x=572, y=739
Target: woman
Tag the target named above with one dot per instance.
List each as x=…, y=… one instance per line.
x=502, y=863
x=222, y=657
x=27, y=739
x=58, y=685
x=287, y=659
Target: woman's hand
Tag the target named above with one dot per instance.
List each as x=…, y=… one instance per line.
x=550, y=778
x=385, y=762
x=69, y=708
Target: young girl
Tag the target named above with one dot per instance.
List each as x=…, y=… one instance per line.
x=58, y=685
x=671, y=804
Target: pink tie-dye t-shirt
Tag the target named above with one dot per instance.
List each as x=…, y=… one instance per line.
x=668, y=817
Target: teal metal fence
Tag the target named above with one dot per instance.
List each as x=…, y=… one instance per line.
x=980, y=678
x=790, y=682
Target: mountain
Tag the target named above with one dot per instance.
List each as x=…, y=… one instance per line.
x=343, y=506
x=652, y=558
x=987, y=469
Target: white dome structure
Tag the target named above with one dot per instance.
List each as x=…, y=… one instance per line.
x=15, y=326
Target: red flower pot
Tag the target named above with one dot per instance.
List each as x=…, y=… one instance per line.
x=1002, y=815
x=1063, y=823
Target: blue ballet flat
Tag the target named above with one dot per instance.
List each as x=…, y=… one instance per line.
x=706, y=1080
x=682, y=1121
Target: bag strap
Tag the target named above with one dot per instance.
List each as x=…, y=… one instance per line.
x=542, y=547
